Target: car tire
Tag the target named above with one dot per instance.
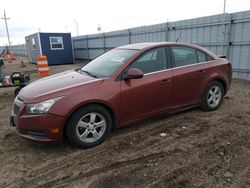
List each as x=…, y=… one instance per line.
x=16, y=91
x=213, y=96
x=89, y=126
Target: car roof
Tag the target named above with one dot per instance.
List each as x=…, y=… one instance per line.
x=140, y=46
x=148, y=45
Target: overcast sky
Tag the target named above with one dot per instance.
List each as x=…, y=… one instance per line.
x=30, y=16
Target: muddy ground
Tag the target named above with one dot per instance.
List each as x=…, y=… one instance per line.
x=200, y=149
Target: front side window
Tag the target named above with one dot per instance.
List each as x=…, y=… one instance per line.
x=56, y=43
x=184, y=56
x=106, y=64
x=151, y=61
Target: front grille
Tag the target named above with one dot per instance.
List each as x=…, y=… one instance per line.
x=37, y=133
x=16, y=109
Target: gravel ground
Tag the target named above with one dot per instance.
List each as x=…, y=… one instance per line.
x=198, y=149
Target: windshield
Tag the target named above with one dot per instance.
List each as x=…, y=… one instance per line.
x=106, y=64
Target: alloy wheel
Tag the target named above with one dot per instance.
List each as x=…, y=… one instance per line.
x=214, y=96
x=91, y=127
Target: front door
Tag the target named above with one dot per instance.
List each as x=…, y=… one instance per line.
x=150, y=94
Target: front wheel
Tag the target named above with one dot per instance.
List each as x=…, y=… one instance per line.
x=89, y=126
x=213, y=96
x=16, y=91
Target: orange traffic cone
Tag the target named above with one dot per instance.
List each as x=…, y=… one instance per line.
x=42, y=64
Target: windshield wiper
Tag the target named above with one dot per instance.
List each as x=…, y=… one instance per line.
x=89, y=73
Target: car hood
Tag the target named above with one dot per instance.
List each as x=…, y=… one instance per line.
x=55, y=86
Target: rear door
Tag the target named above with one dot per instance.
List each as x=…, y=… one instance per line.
x=150, y=94
x=189, y=75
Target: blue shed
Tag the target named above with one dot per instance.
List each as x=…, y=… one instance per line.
x=56, y=46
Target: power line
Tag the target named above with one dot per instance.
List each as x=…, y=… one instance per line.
x=6, y=25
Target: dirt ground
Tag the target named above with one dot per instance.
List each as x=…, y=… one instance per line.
x=199, y=149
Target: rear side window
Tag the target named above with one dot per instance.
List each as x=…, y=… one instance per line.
x=151, y=61
x=201, y=56
x=184, y=56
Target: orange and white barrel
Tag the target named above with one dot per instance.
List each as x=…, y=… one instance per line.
x=42, y=64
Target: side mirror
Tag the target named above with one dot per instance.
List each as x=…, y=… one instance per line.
x=133, y=73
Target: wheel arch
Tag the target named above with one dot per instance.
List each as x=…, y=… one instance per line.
x=218, y=77
x=203, y=102
x=223, y=82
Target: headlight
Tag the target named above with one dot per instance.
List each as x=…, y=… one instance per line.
x=42, y=107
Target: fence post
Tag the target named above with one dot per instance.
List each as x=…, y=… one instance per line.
x=166, y=31
x=73, y=49
x=229, y=31
x=23, y=50
x=104, y=42
x=87, y=43
x=129, y=36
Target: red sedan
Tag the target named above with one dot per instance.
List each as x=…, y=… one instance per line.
x=124, y=85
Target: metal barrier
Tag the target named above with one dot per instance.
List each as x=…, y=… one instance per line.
x=19, y=50
x=224, y=34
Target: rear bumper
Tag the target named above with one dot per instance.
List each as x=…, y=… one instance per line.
x=45, y=128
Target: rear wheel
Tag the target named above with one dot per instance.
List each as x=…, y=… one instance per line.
x=89, y=126
x=213, y=96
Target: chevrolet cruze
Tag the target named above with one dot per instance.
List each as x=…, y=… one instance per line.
x=124, y=85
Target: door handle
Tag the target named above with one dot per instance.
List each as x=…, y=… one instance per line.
x=201, y=71
x=164, y=81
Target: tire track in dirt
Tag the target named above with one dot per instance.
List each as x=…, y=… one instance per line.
x=49, y=168
x=107, y=168
x=114, y=166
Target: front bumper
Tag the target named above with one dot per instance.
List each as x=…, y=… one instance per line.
x=38, y=128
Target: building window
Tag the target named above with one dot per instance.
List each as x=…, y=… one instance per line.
x=56, y=43
x=33, y=43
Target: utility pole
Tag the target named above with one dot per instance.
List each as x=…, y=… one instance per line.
x=6, y=25
x=77, y=31
x=224, y=8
